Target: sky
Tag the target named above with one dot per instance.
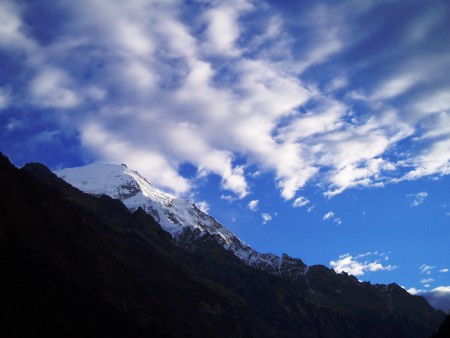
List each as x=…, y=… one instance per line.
x=316, y=128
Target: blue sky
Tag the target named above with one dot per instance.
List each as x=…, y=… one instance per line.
x=316, y=128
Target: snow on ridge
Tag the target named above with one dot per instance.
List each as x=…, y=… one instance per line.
x=118, y=181
x=148, y=189
x=173, y=214
x=96, y=178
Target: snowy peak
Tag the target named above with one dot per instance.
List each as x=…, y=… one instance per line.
x=115, y=180
x=180, y=217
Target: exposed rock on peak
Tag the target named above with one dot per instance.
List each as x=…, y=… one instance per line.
x=180, y=217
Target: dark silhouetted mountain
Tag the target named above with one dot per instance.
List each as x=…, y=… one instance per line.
x=77, y=265
x=444, y=329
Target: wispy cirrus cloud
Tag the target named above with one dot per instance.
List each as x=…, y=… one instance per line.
x=300, y=202
x=426, y=269
x=417, y=199
x=331, y=216
x=225, y=86
x=427, y=280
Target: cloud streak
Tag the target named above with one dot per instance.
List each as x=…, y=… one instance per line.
x=227, y=87
x=300, y=202
x=331, y=216
x=426, y=269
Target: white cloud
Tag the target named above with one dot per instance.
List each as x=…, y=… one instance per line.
x=222, y=30
x=358, y=267
x=267, y=91
x=228, y=198
x=133, y=37
x=427, y=280
x=437, y=102
x=437, y=125
x=4, y=98
x=300, y=202
x=438, y=297
x=426, y=269
x=203, y=206
x=331, y=216
x=395, y=86
x=417, y=199
x=443, y=270
x=326, y=118
x=200, y=85
x=266, y=217
x=434, y=160
x=442, y=290
x=423, y=26
x=253, y=205
x=336, y=83
x=151, y=165
x=327, y=25
x=11, y=29
x=52, y=88
x=414, y=291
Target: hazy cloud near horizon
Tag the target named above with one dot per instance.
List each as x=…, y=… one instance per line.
x=312, y=92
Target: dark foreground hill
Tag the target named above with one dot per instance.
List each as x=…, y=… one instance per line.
x=74, y=265
x=444, y=329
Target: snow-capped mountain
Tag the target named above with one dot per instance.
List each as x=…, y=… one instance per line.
x=181, y=218
x=80, y=257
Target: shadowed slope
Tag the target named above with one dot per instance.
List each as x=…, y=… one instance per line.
x=79, y=265
x=86, y=262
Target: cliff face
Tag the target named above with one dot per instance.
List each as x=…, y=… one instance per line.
x=77, y=265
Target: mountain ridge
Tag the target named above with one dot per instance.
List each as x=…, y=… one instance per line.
x=120, y=267
x=180, y=217
x=195, y=226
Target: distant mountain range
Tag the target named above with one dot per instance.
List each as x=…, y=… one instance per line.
x=111, y=255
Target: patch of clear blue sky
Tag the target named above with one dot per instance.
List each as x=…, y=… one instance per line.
x=33, y=135
x=372, y=219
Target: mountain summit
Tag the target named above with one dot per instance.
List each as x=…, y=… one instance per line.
x=180, y=217
x=75, y=264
